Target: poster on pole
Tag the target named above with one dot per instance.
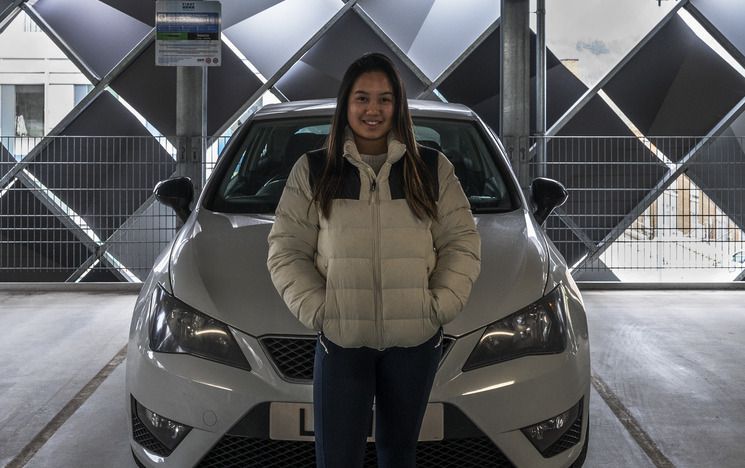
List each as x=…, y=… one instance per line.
x=187, y=34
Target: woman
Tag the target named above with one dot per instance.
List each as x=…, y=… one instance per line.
x=374, y=247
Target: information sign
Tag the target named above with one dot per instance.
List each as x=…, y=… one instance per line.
x=187, y=34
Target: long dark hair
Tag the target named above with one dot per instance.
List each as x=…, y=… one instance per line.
x=418, y=184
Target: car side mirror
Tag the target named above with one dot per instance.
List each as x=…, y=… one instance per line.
x=547, y=195
x=176, y=193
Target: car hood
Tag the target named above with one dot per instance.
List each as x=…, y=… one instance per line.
x=218, y=266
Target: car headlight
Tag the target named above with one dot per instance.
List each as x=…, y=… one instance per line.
x=539, y=328
x=179, y=328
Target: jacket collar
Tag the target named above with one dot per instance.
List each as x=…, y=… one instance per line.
x=396, y=149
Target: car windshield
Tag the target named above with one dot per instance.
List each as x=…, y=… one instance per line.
x=258, y=170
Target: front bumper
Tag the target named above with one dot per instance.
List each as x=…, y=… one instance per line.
x=228, y=408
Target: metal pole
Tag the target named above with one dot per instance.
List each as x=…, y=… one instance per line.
x=540, y=80
x=514, y=86
x=191, y=123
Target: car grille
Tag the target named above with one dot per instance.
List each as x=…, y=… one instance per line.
x=247, y=444
x=248, y=452
x=570, y=438
x=294, y=357
x=144, y=437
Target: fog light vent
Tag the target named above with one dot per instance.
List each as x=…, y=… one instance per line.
x=154, y=432
x=557, y=434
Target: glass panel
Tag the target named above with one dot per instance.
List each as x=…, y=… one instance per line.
x=81, y=90
x=216, y=149
x=7, y=110
x=29, y=110
x=474, y=164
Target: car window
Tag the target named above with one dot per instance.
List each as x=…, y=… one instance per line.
x=258, y=168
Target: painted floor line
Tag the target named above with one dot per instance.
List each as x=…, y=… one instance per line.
x=64, y=414
x=631, y=424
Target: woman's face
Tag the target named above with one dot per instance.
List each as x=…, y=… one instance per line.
x=370, y=112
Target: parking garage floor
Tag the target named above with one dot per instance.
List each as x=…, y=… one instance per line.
x=668, y=379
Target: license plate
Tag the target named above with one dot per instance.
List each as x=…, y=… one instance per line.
x=294, y=421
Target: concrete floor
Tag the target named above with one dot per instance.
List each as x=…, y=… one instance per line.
x=673, y=360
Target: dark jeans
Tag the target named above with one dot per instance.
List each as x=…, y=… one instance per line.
x=344, y=383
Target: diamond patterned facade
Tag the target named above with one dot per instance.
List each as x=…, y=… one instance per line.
x=671, y=83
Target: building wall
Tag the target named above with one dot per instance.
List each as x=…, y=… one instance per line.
x=29, y=57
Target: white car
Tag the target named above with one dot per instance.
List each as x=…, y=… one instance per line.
x=219, y=372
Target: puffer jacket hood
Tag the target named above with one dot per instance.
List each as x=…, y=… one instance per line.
x=373, y=274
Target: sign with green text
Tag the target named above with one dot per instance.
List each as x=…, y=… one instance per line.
x=187, y=34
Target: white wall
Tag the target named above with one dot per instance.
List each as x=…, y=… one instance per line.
x=32, y=58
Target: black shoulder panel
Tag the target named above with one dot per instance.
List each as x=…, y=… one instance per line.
x=396, y=178
x=431, y=159
x=317, y=162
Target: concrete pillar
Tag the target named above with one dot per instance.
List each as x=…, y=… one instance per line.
x=514, y=85
x=191, y=123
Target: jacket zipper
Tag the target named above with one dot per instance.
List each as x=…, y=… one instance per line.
x=376, y=255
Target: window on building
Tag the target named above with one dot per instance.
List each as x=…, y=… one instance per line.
x=29, y=119
x=81, y=91
x=29, y=26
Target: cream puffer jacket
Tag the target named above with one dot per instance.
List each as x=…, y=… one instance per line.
x=373, y=274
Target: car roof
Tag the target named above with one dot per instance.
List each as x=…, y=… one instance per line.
x=326, y=107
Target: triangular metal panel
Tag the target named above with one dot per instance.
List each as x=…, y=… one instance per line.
x=100, y=274
x=7, y=160
x=676, y=86
x=235, y=11
x=319, y=72
x=140, y=240
x=34, y=244
x=152, y=90
x=97, y=33
x=596, y=118
x=726, y=17
x=229, y=86
x=266, y=40
x=141, y=10
x=103, y=178
x=403, y=26
x=606, y=177
x=595, y=271
x=719, y=171
x=4, y=5
x=475, y=83
x=570, y=246
x=432, y=33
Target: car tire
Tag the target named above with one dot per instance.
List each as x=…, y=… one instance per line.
x=583, y=454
